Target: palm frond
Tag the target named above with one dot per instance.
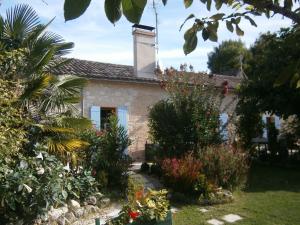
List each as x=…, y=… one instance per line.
x=62, y=146
x=43, y=61
x=20, y=21
x=63, y=94
x=37, y=31
x=58, y=62
x=80, y=123
x=35, y=88
x=55, y=129
x=70, y=83
x=48, y=40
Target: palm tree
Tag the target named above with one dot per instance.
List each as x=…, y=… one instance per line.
x=48, y=99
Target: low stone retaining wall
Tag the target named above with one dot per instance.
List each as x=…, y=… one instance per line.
x=74, y=213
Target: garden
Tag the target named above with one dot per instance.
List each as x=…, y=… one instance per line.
x=56, y=168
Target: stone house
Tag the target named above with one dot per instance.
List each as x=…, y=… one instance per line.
x=129, y=91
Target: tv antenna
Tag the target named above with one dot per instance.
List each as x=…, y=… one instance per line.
x=156, y=25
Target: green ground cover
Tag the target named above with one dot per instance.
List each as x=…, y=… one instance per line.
x=271, y=197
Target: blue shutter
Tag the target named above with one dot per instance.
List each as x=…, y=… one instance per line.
x=277, y=123
x=122, y=119
x=96, y=116
x=223, y=126
x=264, y=119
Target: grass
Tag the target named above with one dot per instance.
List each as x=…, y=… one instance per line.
x=272, y=197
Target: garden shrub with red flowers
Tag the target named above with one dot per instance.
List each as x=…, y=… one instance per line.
x=226, y=166
x=181, y=174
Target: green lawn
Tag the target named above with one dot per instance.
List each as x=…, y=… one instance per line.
x=272, y=197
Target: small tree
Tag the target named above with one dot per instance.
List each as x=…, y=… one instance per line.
x=189, y=119
x=227, y=58
x=107, y=156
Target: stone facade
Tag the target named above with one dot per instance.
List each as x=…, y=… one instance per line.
x=137, y=97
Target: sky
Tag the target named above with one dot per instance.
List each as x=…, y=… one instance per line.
x=97, y=39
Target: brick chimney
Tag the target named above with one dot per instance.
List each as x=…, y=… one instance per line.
x=144, y=51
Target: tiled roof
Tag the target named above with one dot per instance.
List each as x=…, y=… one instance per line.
x=107, y=71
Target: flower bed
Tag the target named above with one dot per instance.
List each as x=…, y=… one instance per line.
x=145, y=208
x=166, y=221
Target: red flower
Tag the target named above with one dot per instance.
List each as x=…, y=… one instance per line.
x=225, y=87
x=139, y=194
x=94, y=172
x=99, y=133
x=133, y=215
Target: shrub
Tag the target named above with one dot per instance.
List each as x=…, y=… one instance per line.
x=145, y=167
x=188, y=120
x=134, y=187
x=181, y=174
x=32, y=184
x=13, y=121
x=152, y=152
x=225, y=166
x=106, y=154
x=203, y=187
x=156, y=169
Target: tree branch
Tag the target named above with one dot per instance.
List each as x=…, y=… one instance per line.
x=269, y=5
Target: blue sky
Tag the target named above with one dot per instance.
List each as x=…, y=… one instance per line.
x=97, y=39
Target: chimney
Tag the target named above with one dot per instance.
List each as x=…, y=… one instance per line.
x=144, y=51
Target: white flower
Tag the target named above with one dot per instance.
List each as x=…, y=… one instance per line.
x=139, y=204
x=40, y=156
x=67, y=167
x=131, y=220
x=20, y=187
x=29, y=189
x=60, y=175
x=23, y=164
x=41, y=171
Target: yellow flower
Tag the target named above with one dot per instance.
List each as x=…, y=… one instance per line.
x=150, y=203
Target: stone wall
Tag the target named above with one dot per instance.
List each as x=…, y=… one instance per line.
x=137, y=97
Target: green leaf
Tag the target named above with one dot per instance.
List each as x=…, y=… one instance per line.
x=213, y=36
x=250, y=7
x=188, y=3
x=212, y=31
x=229, y=26
x=288, y=4
x=217, y=16
x=251, y=21
x=208, y=5
x=113, y=10
x=191, y=41
x=236, y=5
x=133, y=9
x=295, y=80
x=64, y=194
x=219, y=4
x=238, y=20
x=75, y=8
x=239, y=31
x=188, y=18
x=205, y=34
x=282, y=78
